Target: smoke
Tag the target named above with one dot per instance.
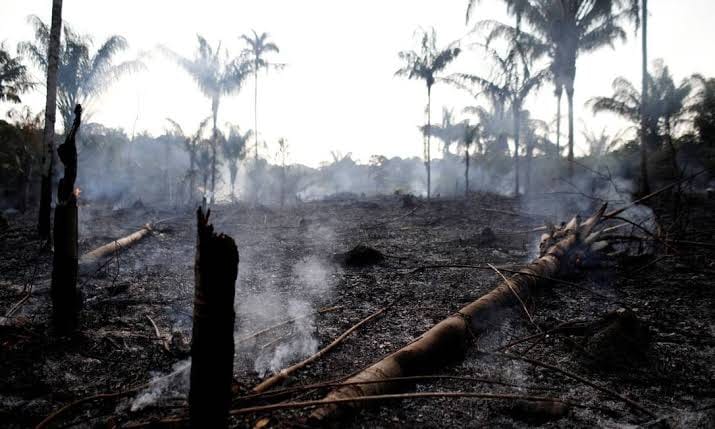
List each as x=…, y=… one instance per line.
x=176, y=382
x=294, y=298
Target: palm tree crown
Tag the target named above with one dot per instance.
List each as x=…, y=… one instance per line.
x=82, y=75
x=14, y=79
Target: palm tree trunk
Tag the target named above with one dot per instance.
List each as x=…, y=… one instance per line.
x=48, y=159
x=192, y=173
x=529, y=155
x=255, y=107
x=428, y=161
x=569, y=96
x=213, y=150
x=559, y=93
x=466, y=171
x=645, y=186
x=517, y=121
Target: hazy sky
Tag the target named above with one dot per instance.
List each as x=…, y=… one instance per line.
x=338, y=91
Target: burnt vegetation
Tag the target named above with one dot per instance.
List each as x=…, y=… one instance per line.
x=520, y=273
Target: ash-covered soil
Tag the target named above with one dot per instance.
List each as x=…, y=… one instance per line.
x=289, y=269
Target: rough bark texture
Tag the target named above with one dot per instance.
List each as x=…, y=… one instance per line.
x=212, y=345
x=448, y=339
x=65, y=297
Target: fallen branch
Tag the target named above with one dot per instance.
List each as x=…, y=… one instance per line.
x=286, y=323
x=92, y=257
x=158, y=333
x=583, y=380
x=286, y=372
x=448, y=339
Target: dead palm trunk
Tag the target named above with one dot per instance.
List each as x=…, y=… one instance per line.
x=192, y=171
x=645, y=185
x=48, y=158
x=529, y=155
x=63, y=289
x=448, y=339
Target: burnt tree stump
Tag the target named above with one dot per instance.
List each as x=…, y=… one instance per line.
x=212, y=344
x=66, y=299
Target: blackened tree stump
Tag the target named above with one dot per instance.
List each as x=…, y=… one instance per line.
x=66, y=300
x=212, y=345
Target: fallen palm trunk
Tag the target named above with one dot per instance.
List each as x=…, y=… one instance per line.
x=212, y=344
x=63, y=290
x=448, y=339
x=92, y=258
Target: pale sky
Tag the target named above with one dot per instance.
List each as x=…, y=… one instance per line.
x=338, y=91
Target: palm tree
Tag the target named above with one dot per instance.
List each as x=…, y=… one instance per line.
x=570, y=28
x=426, y=65
x=663, y=107
x=282, y=156
x=703, y=108
x=514, y=82
x=52, y=50
x=82, y=76
x=257, y=47
x=471, y=135
x=14, y=79
x=216, y=75
x=191, y=145
x=234, y=150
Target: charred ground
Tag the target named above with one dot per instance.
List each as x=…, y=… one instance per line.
x=288, y=268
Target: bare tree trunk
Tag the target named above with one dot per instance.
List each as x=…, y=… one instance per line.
x=48, y=137
x=213, y=151
x=466, y=171
x=255, y=106
x=529, y=155
x=192, y=173
x=517, y=123
x=448, y=339
x=212, y=345
x=428, y=161
x=645, y=185
x=569, y=96
x=559, y=92
x=63, y=289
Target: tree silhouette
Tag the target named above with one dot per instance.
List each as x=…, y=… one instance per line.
x=426, y=65
x=663, y=106
x=14, y=79
x=513, y=82
x=234, y=151
x=82, y=76
x=257, y=48
x=216, y=74
x=191, y=145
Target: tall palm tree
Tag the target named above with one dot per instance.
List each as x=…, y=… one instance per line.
x=663, y=106
x=571, y=27
x=234, y=150
x=51, y=58
x=191, y=145
x=514, y=82
x=257, y=47
x=82, y=76
x=216, y=74
x=426, y=65
x=14, y=79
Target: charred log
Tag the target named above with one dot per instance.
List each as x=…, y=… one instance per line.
x=212, y=346
x=90, y=259
x=65, y=296
x=447, y=340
